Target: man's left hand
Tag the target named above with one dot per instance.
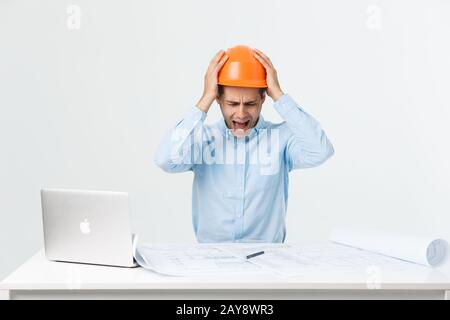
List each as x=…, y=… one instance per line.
x=273, y=86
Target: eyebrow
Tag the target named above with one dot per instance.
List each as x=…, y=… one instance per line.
x=237, y=102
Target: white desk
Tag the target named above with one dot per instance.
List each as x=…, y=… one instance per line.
x=42, y=279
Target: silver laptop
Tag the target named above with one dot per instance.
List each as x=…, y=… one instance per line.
x=87, y=227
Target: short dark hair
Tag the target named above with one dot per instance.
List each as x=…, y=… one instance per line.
x=262, y=91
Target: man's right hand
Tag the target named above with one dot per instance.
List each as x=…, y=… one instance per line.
x=210, y=90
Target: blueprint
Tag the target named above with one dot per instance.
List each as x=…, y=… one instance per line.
x=283, y=260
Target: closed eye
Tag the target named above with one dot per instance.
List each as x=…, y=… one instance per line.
x=234, y=103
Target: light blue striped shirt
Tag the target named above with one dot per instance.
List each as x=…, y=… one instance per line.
x=240, y=187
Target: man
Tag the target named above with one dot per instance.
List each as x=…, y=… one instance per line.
x=241, y=163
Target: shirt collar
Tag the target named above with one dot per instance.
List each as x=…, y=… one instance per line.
x=260, y=124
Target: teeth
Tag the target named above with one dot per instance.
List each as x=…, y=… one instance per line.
x=240, y=128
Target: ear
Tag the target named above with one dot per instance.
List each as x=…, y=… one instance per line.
x=263, y=97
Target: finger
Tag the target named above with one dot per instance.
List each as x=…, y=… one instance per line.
x=215, y=60
x=217, y=57
x=221, y=63
x=262, y=55
x=266, y=59
x=263, y=62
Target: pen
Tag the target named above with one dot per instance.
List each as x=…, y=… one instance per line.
x=255, y=254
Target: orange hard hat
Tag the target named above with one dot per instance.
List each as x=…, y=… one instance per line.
x=242, y=69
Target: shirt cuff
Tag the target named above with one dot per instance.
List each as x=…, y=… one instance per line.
x=203, y=113
x=191, y=118
x=285, y=105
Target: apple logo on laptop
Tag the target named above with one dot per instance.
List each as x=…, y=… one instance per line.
x=85, y=227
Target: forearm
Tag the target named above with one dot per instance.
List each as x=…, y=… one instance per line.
x=308, y=146
x=174, y=152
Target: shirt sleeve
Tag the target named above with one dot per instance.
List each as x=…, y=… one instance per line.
x=308, y=145
x=180, y=147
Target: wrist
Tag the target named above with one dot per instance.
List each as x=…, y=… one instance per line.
x=277, y=94
x=205, y=102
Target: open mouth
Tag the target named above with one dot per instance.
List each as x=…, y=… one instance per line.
x=240, y=125
x=240, y=128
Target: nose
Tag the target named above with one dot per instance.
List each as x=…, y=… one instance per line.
x=241, y=111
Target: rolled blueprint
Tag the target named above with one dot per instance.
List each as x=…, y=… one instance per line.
x=423, y=250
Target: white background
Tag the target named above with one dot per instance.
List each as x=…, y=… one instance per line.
x=85, y=108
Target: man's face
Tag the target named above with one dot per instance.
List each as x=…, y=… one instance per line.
x=240, y=108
